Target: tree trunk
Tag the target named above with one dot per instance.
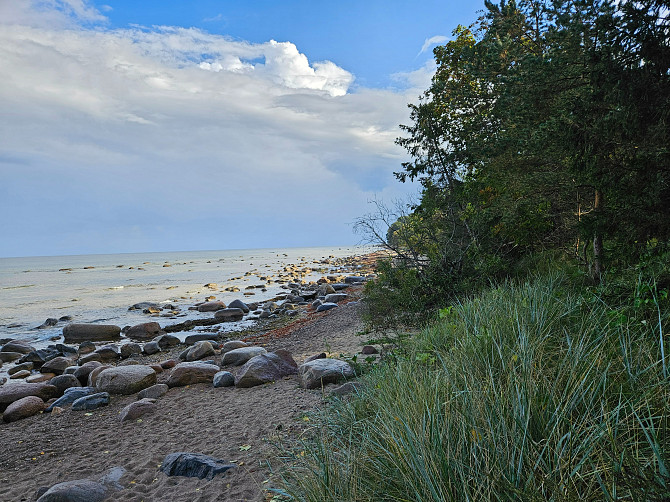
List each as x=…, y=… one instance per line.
x=597, y=238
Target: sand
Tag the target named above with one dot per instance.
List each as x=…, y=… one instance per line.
x=238, y=425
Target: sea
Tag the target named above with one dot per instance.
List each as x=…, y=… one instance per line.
x=101, y=288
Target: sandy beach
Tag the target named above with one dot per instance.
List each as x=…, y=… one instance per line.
x=238, y=425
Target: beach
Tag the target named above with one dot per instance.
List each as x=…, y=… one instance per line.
x=241, y=426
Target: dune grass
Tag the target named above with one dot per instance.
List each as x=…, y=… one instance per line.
x=526, y=392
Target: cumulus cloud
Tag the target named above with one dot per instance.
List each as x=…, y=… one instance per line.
x=193, y=140
x=429, y=42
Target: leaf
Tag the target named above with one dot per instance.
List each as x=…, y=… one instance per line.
x=245, y=447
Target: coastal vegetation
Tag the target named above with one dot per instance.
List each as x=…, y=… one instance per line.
x=534, y=268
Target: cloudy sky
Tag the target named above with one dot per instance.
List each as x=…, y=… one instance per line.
x=164, y=125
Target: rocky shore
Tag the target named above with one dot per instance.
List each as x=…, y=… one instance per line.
x=137, y=413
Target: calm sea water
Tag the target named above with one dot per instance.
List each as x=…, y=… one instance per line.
x=100, y=288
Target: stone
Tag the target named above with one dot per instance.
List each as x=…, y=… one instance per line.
x=335, y=297
x=369, y=349
x=192, y=372
x=19, y=367
x=50, y=322
x=229, y=315
x=319, y=372
x=151, y=348
x=265, y=368
x=199, y=337
x=145, y=331
x=64, y=382
x=211, y=306
x=326, y=306
x=40, y=356
x=82, y=372
x=135, y=410
x=223, y=379
x=346, y=389
x=23, y=408
x=239, y=304
x=91, y=402
x=156, y=367
x=75, y=333
x=3, y=380
x=84, y=490
x=144, y=305
x=130, y=349
x=166, y=341
x=19, y=374
x=193, y=465
x=65, y=349
x=321, y=355
x=153, y=392
x=18, y=346
x=8, y=357
x=18, y=390
x=86, y=348
x=233, y=344
x=125, y=379
x=238, y=357
x=40, y=377
x=339, y=286
x=56, y=365
x=93, y=375
x=170, y=363
x=325, y=289
x=354, y=279
x=108, y=353
x=93, y=356
x=70, y=396
x=199, y=351
x=70, y=370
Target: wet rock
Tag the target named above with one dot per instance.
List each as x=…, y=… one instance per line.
x=144, y=305
x=192, y=372
x=125, y=379
x=211, y=306
x=91, y=402
x=335, y=298
x=199, y=351
x=108, y=353
x=223, y=379
x=238, y=357
x=40, y=377
x=229, y=315
x=326, y=306
x=144, y=331
x=15, y=391
x=40, y=356
x=17, y=346
x=166, y=341
x=19, y=374
x=193, y=465
x=265, y=368
x=239, y=304
x=86, y=348
x=319, y=372
x=153, y=392
x=23, y=408
x=20, y=367
x=65, y=349
x=8, y=357
x=70, y=396
x=3, y=380
x=354, y=279
x=130, y=349
x=151, y=348
x=137, y=409
x=93, y=356
x=75, y=333
x=199, y=337
x=49, y=323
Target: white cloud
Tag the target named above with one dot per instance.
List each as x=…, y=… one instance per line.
x=217, y=140
x=429, y=42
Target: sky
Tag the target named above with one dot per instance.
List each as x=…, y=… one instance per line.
x=164, y=125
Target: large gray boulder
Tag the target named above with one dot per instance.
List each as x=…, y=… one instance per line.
x=64, y=382
x=238, y=357
x=192, y=372
x=145, y=331
x=75, y=333
x=23, y=408
x=13, y=392
x=125, y=379
x=265, y=368
x=319, y=372
x=200, y=350
x=85, y=490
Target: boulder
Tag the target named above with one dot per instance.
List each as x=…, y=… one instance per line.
x=64, y=382
x=335, y=297
x=91, y=402
x=153, y=392
x=74, y=333
x=199, y=351
x=193, y=465
x=83, y=371
x=15, y=391
x=93, y=375
x=223, y=379
x=211, y=306
x=125, y=379
x=326, y=306
x=85, y=348
x=20, y=374
x=69, y=397
x=85, y=490
x=265, y=368
x=56, y=365
x=8, y=357
x=238, y=357
x=199, y=337
x=369, y=349
x=23, y=408
x=108, y=353
x=145, y=331
x=93, y=356
x=325, y=289
x=169, y=364
x=130, y=349
x=166, y=341
x=192, y=372
x=319, y=372
x=17, y=346
x=239, y=304
x=40, y=356
x=19, y=367
x=40, y=377
x=229, y=315
x=354, y=279
x=151, y=348
x=234, y=344
x=135, y=410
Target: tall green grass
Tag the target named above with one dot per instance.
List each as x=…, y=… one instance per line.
x=525, y=392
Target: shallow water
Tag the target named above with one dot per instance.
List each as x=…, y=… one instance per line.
x=100, y=288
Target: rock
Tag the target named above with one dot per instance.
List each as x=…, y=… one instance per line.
x=17, y=346
x=322, y=355
x=70, y=370
x=265, y=368
x=239, y=304
x=229, y=315
x=166, y=341
x=325, y=289
x=40, y=377
x=211, y=306
x=199, y=351
x=90, y=357
x=82, y=372
x=319, y=372
x=199, y=337
x=40, y=356
x=369, y=349
x=237, y=357
x=84, y=490
x=270, y=306
x=20, y=374
x=145, y=331
x=193, y=465
x=56, y=365
x=153, y=392
x=50, y=322
x=86, y=348
x=8, y=357
x=326, y=306
x=18, y=390
x=335, y=297
x=3, y=380
x=223, y=379
x=354, y=279
x=144, y=305
x=347, y=388
x=192, y=372
x=65, y=349
x=23, y=408
x=151, y=348
x=135, y=410
x=74, y=333
x=93, y=375
x=234, y=344
x=19, y=367
x=130, y=349
x=64, y=382
x=70, y=396
x=170, y=363
x=91, y=402
x=108, y=353
x=156, y=367
x=339, y=286
x=125, y=379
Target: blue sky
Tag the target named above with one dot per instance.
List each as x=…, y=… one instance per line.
x=129, y=126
